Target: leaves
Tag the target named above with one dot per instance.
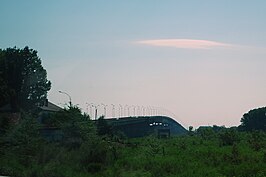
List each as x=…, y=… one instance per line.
x=254, y=120
x=24, y=79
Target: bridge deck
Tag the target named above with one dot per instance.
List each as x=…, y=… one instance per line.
x=145, y=125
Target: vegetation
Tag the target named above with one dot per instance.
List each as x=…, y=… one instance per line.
x=83, y=152
x=23, y=80
x=254, y=120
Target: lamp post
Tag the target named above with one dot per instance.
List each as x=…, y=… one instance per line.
x=70, y=103
x=113, y=110
x=125, y=110
x=128, y=111
x=91, y=106
x=152, y=110
x=120, y=110
x=87, y=108
x=134, y=110
x=148, y=110
x=96, y=110
x=143, y=110
x=156, y=111
x=104, y=107
x=138, y=111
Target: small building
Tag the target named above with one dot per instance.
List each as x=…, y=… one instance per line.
x=49, y=132
x=46, y=110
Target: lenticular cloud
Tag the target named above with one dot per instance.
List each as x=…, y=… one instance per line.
x=184, y=43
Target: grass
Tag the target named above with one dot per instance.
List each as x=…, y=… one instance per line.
x=182, y=156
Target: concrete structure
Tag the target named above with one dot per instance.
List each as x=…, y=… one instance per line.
x=161, y=126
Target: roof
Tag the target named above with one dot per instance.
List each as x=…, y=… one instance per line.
x=51, y=107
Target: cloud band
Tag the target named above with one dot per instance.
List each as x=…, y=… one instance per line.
x=184, y=43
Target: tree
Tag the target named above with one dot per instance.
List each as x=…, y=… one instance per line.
x=190, y=130
x=76, y=127
x=4, y=95
x=24, y=83
x=254, y=120
x=228, y=136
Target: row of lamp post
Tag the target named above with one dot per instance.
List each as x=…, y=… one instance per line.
x=123, y=111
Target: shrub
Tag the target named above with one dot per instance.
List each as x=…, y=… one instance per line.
x=228, y=137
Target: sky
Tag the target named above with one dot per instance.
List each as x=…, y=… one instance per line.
x=202, y=61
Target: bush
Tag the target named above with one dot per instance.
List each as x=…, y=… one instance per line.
x=228, y=137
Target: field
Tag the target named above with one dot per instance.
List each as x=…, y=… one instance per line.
x=202, y=153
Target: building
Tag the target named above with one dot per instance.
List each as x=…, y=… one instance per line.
x=49, y=132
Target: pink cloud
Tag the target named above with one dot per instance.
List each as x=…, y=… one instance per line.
x=184, y=43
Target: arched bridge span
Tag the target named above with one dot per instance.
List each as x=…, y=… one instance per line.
x=146, y=125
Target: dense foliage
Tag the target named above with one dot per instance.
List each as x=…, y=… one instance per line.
x=26, y=151
x=23, y=80
x=85, y=152
x=254, y=120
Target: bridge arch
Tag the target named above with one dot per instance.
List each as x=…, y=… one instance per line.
x=146, y=125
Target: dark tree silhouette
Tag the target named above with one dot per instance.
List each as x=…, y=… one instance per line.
x=254, y=120
x=23, y=79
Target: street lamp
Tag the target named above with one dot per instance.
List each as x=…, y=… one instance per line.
x=96, y=110
x=120, y=110
x=125, y=110
x=70, y=103
x=104, y=107
x=152, y=110
x=91, y=106
x=138, y=111
x=143, y=110
x=87, y=107
x=134, y=110
x=128, y=111
x=113, y=110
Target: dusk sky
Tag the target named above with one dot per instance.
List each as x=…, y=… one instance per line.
x=203, y=60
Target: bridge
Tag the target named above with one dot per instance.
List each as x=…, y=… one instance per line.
x=161, y=126
x=137, y=121
x=136, y=124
